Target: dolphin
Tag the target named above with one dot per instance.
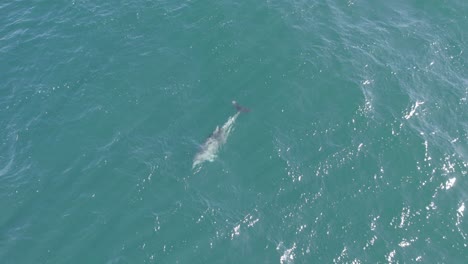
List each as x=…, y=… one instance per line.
x=240, y=108
x=209, y=149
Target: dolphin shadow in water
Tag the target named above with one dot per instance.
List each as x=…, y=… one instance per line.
x=209, y=149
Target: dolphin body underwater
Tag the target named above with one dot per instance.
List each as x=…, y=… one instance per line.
x=209, y=149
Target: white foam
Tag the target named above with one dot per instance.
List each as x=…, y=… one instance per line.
x=288, y=255
x=461, y=209
x=450, y=182
x=413, y=109
x=235, y=231
x=390, y=256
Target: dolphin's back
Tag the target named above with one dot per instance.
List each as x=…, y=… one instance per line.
x=214, y=142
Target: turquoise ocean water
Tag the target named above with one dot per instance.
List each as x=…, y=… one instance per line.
x=355, y=149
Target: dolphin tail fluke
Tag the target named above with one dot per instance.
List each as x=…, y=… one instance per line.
x=240, y=108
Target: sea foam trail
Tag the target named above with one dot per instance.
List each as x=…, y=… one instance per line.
x=209, y=149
